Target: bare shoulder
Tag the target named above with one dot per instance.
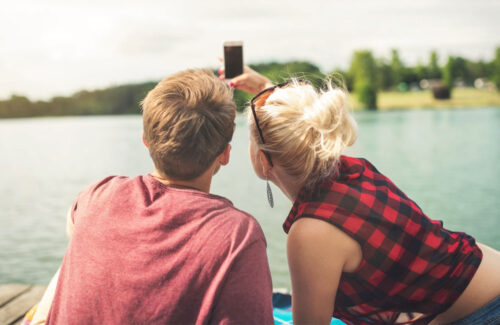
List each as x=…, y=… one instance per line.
x=309, y=234
x=317, y=253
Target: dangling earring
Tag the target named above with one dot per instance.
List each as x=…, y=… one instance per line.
x=269, y=195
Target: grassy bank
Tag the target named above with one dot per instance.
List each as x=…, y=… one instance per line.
x=461, y=97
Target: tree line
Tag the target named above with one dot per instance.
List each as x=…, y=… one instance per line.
x=122, y=99
x=366, y=76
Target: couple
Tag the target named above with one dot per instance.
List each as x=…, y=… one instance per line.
x=160, y=249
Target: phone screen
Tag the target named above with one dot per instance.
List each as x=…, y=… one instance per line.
x=233, y=59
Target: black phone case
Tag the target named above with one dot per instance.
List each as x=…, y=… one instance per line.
x=233, y=60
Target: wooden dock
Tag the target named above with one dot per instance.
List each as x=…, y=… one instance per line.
x=16, y=300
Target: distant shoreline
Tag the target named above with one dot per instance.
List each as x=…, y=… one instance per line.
x=423, y=99
x=387, y=101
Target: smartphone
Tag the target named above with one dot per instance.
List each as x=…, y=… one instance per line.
x=233, y=59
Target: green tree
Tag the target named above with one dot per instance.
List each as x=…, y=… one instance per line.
x=409, y=76
x=454, y=70
x=462, y=72
x=122, y=99
x=397, y=67
x=421, y=72
x=449, y=73
x=434, y=72
x=385, y=79
x=496, y=68
x=17, y=105
x=479, y=69
x=279, y=72
x=363, y=70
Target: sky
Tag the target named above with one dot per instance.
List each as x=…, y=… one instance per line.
x=57, y=47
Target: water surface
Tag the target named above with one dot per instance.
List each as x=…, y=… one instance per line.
x=446, y=160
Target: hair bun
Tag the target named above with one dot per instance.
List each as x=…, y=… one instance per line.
x=326, y=112
x=330, y=120
x=306, y=129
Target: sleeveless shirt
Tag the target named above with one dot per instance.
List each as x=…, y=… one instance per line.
x=410, y=263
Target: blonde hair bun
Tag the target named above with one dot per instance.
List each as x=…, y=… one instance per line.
x=307, y=129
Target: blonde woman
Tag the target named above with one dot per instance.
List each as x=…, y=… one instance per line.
x=358, y=248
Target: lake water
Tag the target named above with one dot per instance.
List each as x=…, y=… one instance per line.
x=448, y=161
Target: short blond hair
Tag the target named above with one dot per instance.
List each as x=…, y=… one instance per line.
x=305, y=130
x=188, y=121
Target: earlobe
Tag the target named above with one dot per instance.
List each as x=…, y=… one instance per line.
x=144, y=141
x=264, y=163
x=225, y=156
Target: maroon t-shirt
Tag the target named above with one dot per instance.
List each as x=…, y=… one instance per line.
x=146, y=253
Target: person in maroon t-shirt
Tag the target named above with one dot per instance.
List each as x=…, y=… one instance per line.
x=159, y=248
x=358, y=248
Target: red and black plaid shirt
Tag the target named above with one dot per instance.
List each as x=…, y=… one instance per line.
x=410, y=262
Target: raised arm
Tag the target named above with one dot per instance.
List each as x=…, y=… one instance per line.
x=318, y=253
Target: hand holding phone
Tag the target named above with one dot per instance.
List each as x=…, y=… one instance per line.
x=233, y=59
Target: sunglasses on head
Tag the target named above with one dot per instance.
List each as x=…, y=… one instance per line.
x=260, y=99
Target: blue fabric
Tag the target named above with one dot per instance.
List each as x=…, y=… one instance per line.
x=487, y=315
x=282, y=310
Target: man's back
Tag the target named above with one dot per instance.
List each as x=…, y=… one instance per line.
x=144, y=252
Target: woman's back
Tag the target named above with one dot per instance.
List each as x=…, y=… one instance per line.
x=410, y=263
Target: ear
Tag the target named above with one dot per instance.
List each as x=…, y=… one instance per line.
x=225, y=155
x=264, y=163
x=144, y=141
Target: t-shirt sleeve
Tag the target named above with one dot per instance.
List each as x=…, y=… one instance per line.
x=246, y=297
x=82, y=200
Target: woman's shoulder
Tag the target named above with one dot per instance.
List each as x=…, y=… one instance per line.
x=319, y=236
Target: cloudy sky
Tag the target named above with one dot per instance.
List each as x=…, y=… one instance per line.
x=56, y=47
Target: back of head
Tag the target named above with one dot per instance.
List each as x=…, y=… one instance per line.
x=188, y=121
x=305, y=130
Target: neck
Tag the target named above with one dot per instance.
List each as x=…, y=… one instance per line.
x=201, y=183
x=287, y=184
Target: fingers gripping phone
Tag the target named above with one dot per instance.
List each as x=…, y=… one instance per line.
x=233, y=59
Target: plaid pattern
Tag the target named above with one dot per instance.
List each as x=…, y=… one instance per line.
x=410, y=262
